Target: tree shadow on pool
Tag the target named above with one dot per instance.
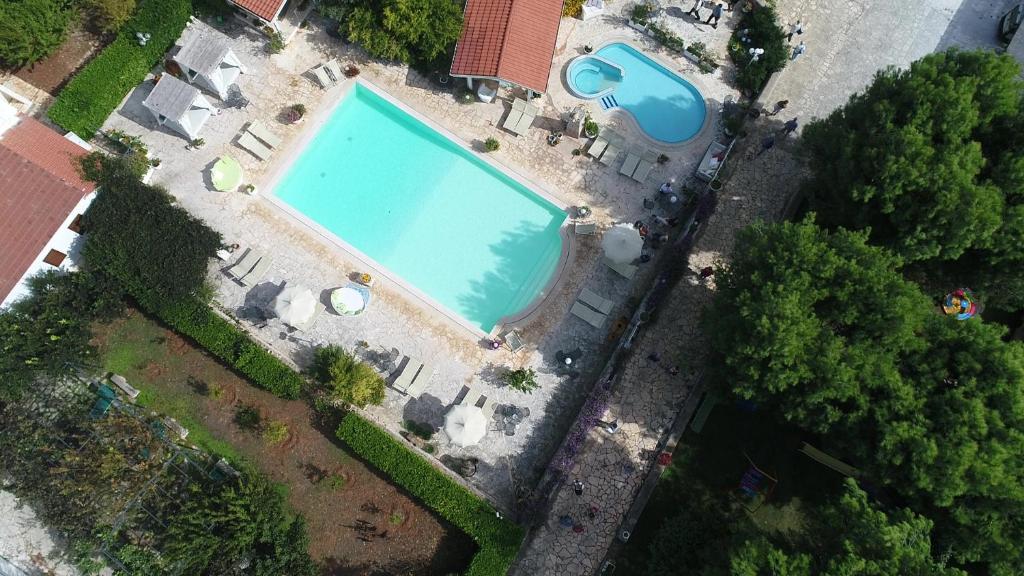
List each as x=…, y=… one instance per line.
x=505, y=282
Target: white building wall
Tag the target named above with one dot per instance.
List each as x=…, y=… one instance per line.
x=63, y=240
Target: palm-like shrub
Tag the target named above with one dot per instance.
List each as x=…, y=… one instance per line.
x=348, y=380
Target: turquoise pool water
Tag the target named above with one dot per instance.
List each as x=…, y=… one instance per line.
x=667, y=107
x=460, y=231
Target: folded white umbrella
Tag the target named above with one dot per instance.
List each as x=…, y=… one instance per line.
x=294, y=305
x=622, y=244
x=465, y=425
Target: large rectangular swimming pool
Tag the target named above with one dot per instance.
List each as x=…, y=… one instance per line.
x=460, y=232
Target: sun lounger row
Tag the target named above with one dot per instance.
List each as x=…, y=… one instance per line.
x=606, y=147
x=638, y=164
x=473, y=397
x=413, y=376
x=627, y=271
x=520, y=117
x=250, y=268
x=592, y=308
x=259, y=140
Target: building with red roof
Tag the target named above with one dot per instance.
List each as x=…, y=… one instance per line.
x=282, y=16
x=510, y=41
x=42, y=198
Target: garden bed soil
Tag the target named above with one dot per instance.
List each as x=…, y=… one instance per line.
x=51, y=73
x=359, y=523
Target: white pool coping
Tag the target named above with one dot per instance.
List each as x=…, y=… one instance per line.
x=280, y=166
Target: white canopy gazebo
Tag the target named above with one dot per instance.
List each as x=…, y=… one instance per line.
x=206, y=59
x=179, y=106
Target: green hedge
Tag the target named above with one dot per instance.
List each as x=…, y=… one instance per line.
x=499, y=539
x=227, y=342
x=96, y=91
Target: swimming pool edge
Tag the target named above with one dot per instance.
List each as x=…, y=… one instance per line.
x=281, y=165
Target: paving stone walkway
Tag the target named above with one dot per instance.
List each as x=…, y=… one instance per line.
x=847, y=43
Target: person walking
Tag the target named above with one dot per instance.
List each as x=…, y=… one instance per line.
x=796, y=29
x=798, y=50
x=716, y=14
x=789, y=127
x=779, y=107
x=695, y=11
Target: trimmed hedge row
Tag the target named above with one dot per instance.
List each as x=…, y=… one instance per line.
x=499, y=539
x=93, y=94
x=227, y=342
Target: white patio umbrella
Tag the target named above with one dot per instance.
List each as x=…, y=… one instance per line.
x=622, y=244
x=294, y=305
x=465, y=425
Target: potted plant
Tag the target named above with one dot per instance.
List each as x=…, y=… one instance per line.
x=296, y=112
x=249, y=189
x=154, y=162
x=197, y=143
x=663, y=159
x=639, y=16
x=582, y=211
x=715, y=184
x=590, y=128
x=351, y=71
x=491, y=144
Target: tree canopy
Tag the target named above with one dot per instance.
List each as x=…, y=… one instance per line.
x=797, y=324
x=414, y=31
x=930, y=159
x=820, y=329
x=31, y=29
x=134, y=233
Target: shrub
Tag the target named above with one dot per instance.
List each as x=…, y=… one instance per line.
x=522, y=379
x=758, y=29
x=641, y=12
x=276, y=44
x=590, y=127
x=667, y=38
x=491, y=144
x=425, y=431
x=96, y=91
x=405, y=30
x=248, y=417
x=350, y=380
x=227, y=342
x=572, y=8
x=31, y=29
x=109, y=15
x=497, y=538
x=275, y=432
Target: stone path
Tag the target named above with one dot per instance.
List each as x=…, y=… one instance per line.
x=847, y=42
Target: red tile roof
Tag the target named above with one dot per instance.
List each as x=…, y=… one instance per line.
x=33, y=205
x=266, y=9
x=48, y=150
x=513, y=40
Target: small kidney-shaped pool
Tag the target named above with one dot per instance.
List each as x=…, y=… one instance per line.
x=664, y=104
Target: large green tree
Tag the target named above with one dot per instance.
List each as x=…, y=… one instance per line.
x=811, y=324
x=930, y=159
x=243, y=521
x=416, y=31
x=852, y=537
x=135, y=233
x=31, y=29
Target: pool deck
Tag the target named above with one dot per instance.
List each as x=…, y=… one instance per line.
x=507, y=464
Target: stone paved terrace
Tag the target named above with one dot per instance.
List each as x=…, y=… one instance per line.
x=847, y=42
x=395, y=318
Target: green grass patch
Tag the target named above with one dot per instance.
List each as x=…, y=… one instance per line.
x=498, y=539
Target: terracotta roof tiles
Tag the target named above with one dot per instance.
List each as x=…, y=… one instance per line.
x=34, y=141
x=512, y=40
x=265, y=9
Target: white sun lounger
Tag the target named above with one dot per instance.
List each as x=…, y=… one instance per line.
x=261, y=132
x=420, y=380
x=333, y=71
x=258, y=149
x=598, y=147
x=257, y=273
x=512, y=120
x=627, y=271
x=471, y=397
x=585, y=228
x=630, y=163
x=599, y=303
x=526, y=121
x=244, y=264
x=321, y=76
x=612, y=152
x=413, y=376
x=592, y=317
x=643, y=168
